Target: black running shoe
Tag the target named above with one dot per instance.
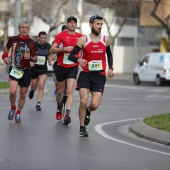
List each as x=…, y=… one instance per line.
x=11, y=114
x=83, y=132
x=67, y=119
x=38, y=107
x=31, y=94
x=87, y=118
x=17, y=118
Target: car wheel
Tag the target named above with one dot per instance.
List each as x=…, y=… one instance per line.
x=159, y=81
x=136, y=79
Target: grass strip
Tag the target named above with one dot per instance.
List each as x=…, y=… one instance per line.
x=4, y=85
x=161, y=122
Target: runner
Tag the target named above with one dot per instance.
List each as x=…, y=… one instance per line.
x=23, y=49
x=39, y=69
x=65, y=69
x=93, y=76
x=64, y=98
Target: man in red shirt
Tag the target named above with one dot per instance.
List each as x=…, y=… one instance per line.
x=23, y=49
x=65, y=69
x=93, y=76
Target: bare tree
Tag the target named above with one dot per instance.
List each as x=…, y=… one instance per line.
x=164, y=24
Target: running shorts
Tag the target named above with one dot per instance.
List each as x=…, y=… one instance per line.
x=25, y=80
x=35, y=72
x=94, y=81
x=62, y=73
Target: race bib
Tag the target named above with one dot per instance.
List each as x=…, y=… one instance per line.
x=40, y=60
x=95, y=65
x=16, y=73
x=65, y=60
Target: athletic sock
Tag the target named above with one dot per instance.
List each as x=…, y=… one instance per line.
x=88, y=112
x=68, y=111
x=18, y=112
x=64, y=98
x=59, y=105
x=13, y=107
x=82, y=127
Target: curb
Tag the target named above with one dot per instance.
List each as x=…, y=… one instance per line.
x=140, y=129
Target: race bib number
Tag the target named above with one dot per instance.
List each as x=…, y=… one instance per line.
x=16, y=73
x=65, y=60
x=95, y=65
x=40, y=60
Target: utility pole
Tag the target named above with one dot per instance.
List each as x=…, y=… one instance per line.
x=17, y=15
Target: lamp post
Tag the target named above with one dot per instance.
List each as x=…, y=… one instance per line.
x=17, y=14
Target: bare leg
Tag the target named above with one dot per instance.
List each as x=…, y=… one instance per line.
x=42, y=80
x=22, y=98
x=84, y=94
x=13, y=90
x=70, y=87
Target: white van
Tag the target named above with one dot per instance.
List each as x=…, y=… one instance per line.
x=153, y=67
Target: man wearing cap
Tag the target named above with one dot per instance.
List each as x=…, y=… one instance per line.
x=65, y=69
x=93, y=76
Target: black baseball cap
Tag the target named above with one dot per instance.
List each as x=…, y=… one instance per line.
x=72, y=18
x=95, y=17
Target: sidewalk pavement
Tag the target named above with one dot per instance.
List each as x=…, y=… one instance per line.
x=139, y=128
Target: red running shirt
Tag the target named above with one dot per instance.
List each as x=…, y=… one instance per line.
x=66, y=40
x=20, y=46
x=95, y=54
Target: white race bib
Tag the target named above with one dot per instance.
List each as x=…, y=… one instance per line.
x=65, y=60
x=95, y=65
x=16, y=73
x=40, y=60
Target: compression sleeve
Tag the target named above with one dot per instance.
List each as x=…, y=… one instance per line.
x=109, y=57
x=72, y=56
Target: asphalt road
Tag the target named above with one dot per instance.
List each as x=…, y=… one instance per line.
x=41, y=142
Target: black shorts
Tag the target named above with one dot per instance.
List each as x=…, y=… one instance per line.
x=94, y=81
x=25, y=80
x=62, y=73
x=36, y=71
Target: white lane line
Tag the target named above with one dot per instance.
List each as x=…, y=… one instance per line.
x=99, y=129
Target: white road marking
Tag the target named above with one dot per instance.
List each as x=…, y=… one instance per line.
x=152, y=95
x=99, y=129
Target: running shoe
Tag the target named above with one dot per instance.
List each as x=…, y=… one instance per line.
x=59, y=114
x=83, y=132
x=17, y=118
x=38, y=107
x=87, y=118
x=31, y=94
x=67, y=119
x=11, y=114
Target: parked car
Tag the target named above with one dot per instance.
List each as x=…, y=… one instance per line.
x=153, y=67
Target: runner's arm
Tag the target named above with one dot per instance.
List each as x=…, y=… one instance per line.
x=5, y=55
x=109, y=57
x=109, y=54
x=72, y=56
x=56, y=49
x=76, y=49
